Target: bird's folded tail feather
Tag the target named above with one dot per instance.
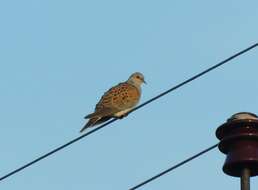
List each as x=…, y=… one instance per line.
x=90, y=123
x=95, y=121
x=101, y=113
x=98, y=117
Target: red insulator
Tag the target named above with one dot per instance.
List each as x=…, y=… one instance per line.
x=239, y=141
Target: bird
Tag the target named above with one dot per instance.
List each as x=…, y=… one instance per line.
x=117, y=102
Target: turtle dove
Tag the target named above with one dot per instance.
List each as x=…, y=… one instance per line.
x=117, y=101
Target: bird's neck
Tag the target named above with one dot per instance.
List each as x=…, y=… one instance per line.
x=135, y=84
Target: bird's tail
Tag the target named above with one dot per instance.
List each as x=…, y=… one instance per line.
x=90, y=123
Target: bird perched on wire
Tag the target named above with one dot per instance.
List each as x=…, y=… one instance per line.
x=117, y=101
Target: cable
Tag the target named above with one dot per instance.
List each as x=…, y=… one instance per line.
x=56, y=150
x=136, y=108
x=173, y=167
x=195, y=76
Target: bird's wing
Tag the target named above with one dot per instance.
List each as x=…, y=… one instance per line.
x=117, y=98
x=120, y=97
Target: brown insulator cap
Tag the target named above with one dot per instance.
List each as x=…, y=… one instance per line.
x=239, y=141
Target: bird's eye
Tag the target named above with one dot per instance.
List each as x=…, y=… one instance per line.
x=138, y=77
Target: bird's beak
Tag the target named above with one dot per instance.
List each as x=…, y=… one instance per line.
x=144, y=81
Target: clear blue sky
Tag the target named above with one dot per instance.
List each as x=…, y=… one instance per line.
x=58, y=57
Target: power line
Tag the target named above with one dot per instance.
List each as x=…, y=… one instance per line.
x=195, y=76
x=136, y=108
x=56, y=150
x=173, y=167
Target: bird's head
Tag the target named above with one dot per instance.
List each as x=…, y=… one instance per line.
x=137, y=78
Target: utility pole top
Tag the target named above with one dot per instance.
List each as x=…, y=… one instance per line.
x=239, y=141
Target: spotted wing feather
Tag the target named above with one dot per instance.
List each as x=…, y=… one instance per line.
x=120, y=97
